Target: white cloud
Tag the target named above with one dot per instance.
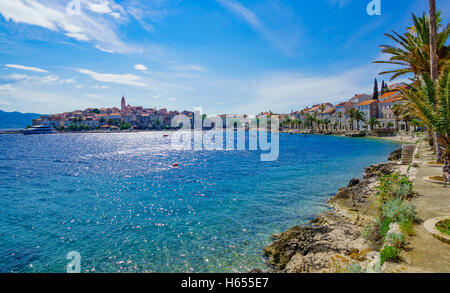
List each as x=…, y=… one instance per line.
x=115, y=15
x=285, y=91
x=4, y=102
x=191, y=67
x=16, y=76
x=172, y=99
x=140, y=67
x=243, y=12
x=127, y=79
x=27, y=68
x=69, y=80
x=37, y=101
x=104, y=50
x=6, y=87
x=100, y=87
x=101, y=6
x=50, y=78
x=94, y=96
x=83, y=27
x=39, y=79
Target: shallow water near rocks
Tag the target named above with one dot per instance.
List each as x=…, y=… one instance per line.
x=116, y=200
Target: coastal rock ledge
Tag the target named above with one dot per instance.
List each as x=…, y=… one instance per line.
x=332, y=238
x=311, y=248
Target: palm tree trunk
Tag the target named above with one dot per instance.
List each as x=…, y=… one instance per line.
x=430, y=137
x=434, y=66
x=433, y=43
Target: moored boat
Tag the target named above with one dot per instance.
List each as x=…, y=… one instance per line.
x=39, y=129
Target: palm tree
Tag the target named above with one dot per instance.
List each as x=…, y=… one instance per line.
x=415, y=123
x=404, y=112
x=298, y=122
x=292, y=123
x=310, y=120
x=396, y=110
x=407, y=115
x=322, y=107
x=434, y=68
x=359, y=116
x=432, y=100
x=319, y=123
x=433, y=41
x=351, y=114
x=335, y=125
x=340, y=118
x=412, y=52
x=326, y=122
x=372, y=122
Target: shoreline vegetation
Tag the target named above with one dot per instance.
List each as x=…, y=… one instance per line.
x=371, y=227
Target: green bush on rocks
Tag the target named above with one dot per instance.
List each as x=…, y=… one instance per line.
x=398, y=210
x=389, y=253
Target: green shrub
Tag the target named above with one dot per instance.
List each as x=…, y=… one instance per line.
x=389, y=253
x=444, y=226
x=355, y=268
x=397, y=240
x=394, y=185
x=367, y=231
x=398, y=210
x=407, y=228
x=125, y=126
x=385, y=226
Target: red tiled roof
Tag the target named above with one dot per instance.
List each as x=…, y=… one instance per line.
x=388, y=94
x=368, y=102
x=391, y=100
x=329, y=110
x=314, y=108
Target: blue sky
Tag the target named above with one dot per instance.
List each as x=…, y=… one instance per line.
x=226, y=56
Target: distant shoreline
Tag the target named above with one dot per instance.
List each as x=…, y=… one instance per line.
x=397, y=138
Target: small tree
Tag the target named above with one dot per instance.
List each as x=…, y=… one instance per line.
x=359, y=116
x=326, y=122
x=375, y=90
x=372, y=122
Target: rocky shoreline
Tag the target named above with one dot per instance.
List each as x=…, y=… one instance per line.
x=333, y=240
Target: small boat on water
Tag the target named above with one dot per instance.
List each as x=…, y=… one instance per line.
x=356, y=134
x=165, y=135
x=39, y=129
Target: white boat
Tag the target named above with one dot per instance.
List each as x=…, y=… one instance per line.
x=39, y=129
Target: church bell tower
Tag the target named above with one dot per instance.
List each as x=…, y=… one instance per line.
x=123, y=103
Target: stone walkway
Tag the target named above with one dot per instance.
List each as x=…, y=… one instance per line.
x=426, y=253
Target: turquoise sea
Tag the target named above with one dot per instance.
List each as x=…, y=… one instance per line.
x=116, y=200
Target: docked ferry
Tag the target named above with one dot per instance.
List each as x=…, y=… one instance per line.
x=39, y=129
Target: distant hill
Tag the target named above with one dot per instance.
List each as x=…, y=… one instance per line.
x=16, y=119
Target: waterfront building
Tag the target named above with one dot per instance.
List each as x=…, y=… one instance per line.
x=370, y=110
